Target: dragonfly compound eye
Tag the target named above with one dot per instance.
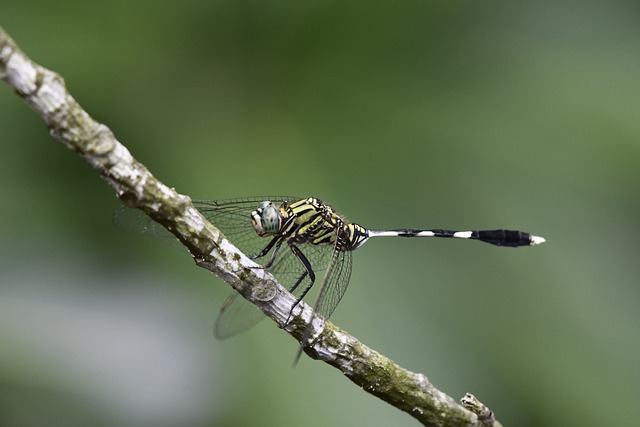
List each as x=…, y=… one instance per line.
x=266, y=219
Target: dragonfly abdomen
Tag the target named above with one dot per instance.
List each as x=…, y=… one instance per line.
x=509, y=238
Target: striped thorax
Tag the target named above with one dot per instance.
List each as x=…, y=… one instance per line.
x=308, y=220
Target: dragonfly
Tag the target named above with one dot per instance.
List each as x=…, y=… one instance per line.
x=301, y=241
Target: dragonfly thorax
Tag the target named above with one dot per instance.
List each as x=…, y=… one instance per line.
x=267, y=219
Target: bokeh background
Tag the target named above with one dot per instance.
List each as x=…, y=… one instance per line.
x=404, y=114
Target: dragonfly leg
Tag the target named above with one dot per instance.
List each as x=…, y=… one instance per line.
x=272, y=258
x=308, y=272
x=266, y=248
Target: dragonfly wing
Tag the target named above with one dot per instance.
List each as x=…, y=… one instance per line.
x=133, y=219
x=237, y=314
x=233, y=218
x=335, y=284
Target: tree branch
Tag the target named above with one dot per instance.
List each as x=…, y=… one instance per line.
x=68, y=123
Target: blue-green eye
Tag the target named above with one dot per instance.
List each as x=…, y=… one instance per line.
x=267, y=219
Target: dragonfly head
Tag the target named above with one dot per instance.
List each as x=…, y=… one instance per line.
x=266, y=219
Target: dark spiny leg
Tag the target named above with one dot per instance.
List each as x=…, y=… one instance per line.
x=266, y=248
x=308, y=271
x=300, y=279
x=275, y=253
x=269, y=263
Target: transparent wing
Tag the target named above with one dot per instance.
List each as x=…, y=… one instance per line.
x=132, y=219
x=336, y=284
x=237, y=314
x=231, y=216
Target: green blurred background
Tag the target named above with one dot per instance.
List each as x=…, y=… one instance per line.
x=405, y=114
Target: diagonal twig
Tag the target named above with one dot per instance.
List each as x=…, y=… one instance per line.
x=69, y=123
